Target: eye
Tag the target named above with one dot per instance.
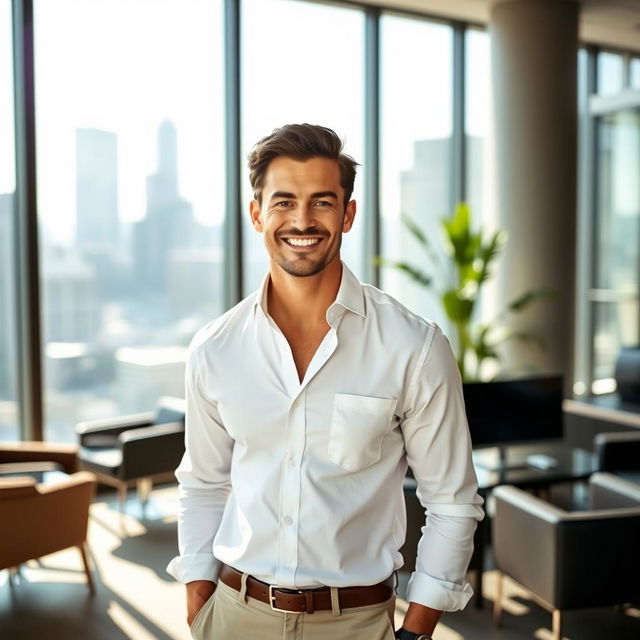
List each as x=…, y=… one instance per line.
x=282, y=204
x=322, y=203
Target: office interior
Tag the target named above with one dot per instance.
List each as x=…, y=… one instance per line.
x=124, y=228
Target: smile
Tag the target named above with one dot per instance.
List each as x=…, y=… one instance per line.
x=301, y=242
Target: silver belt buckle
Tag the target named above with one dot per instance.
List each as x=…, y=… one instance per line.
x=272, y=602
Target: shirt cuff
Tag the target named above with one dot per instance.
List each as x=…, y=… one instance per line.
x=195, y=566
x=438, y=594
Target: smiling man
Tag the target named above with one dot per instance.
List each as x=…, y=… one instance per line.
x=306, y=402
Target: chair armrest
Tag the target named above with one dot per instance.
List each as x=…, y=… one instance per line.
x=98, y=433
x=151, y=432
x=35, y=451
x=607, y=491
x=525, y=541
x=11, y=488
x=152, y=450
x=618, y=451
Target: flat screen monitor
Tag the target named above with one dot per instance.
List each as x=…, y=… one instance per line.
x=514, y=411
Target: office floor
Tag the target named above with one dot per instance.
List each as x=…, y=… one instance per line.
x=137, y=600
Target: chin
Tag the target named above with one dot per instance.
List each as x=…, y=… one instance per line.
x=302, y=269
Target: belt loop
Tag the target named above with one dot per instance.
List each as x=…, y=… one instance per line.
x=309, y=598
x=335, y=601
x=242, y=596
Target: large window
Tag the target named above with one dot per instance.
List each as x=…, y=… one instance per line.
x=616, y=292
x=8, y=314
x=132, y=142
x=301, y=62
x=415, y=172
x=609, y=241
x=129, y=111
x=478, y=125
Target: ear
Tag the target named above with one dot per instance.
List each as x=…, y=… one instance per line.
x=256, y=215
x=349, y=215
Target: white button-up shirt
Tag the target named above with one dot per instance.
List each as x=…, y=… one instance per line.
x=300, y=483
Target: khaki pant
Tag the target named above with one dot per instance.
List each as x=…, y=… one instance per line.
x=225, y=616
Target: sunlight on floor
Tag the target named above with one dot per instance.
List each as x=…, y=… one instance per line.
x=129, y=625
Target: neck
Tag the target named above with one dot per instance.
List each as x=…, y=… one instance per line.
x=297, y=301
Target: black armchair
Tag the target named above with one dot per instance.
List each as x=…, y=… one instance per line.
x=570, y=560
x=134, y=448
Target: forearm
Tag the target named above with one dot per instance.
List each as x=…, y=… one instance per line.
x=421, y=619
x=198, y=592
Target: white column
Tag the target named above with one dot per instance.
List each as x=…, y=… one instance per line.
x=534, y=60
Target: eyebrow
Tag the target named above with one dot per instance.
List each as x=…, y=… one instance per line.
x=292, y=196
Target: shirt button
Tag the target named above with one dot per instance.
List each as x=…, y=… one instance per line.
x=288, y=520
x=291, y=462
x=296, y=404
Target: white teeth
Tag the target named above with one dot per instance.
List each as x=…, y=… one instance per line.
x=297, y=242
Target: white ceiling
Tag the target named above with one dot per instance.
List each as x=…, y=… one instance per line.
x=615, y=23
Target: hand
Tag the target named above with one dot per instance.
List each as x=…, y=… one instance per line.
x=198, y=592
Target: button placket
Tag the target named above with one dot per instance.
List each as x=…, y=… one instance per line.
x=290, y=505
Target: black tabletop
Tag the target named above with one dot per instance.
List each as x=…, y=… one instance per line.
x=571, y=464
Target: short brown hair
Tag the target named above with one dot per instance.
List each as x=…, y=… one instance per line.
x=301, y=142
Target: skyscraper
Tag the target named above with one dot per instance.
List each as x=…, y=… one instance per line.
x=169, y=223
x=97, y=225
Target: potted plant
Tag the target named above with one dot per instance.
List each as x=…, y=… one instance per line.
x=471, y=258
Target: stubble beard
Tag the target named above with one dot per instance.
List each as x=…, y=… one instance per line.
x=306, y=267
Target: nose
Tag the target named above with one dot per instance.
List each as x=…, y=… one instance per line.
x=304, y=217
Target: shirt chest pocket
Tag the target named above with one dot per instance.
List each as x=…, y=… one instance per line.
x=358, y=425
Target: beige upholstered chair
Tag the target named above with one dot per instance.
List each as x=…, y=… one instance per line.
x=38, y=519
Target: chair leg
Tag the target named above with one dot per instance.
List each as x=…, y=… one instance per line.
x=144, y=487
x=14, y=573
x=87, y=569
x=497, y=600
x=122, y=499
x=556, y=624
x=122, y=496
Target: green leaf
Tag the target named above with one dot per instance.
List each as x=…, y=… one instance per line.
x=489, y=252
x=527, y=298
x=458, y=309
x=415, y=230
x=413, y=272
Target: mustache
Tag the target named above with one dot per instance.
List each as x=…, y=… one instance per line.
x=311, y=231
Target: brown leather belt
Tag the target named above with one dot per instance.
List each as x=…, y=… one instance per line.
x=307, y=600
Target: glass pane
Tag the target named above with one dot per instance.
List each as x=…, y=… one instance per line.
x=416, y=120
x=615, y=326
x=610, y=73
x=478, y=125
x=287, y=80
x=130, y=184
x=9, y=418
x=634, y=73
x=619, y=201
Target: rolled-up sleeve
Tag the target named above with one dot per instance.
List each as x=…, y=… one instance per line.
x=204, y=480
x=438, y=448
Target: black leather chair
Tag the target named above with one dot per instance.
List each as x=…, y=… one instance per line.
x=135, y=448
x=618, y=452
x=570, y=560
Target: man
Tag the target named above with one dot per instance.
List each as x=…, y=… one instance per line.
x=305, y=403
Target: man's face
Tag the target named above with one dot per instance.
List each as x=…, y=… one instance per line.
x=302, y=214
